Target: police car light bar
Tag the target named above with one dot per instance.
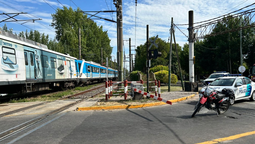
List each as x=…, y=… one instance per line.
x=220, y=72
x=233, y=75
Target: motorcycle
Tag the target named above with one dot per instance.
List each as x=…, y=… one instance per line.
x=213, y=100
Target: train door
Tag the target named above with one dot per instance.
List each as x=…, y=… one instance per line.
x=68, y=64
x=89, y=71
x=30, y=65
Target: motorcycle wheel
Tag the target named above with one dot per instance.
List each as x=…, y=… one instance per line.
x=223, y=107
x=199, y=106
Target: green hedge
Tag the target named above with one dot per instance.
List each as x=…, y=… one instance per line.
x=163, y=77
x=159, y=68
x=134, y=75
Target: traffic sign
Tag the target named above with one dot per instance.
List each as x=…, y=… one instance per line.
x=153, y=42
x=241, y=69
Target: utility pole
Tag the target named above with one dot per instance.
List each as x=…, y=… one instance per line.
x=130, y=62
x=148, y=68
x=79, y=43
x=241, y=51
x=121, y=40
x=118, y=4
x=191, y=48
x=170, y=56
x=102, y=56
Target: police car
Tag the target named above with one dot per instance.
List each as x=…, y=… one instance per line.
x=215, y=75
x=242, y=86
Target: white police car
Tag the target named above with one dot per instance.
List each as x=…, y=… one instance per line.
x=213, y=76
x=242, y=86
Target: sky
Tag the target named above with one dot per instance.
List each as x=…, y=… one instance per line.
x=155, y=13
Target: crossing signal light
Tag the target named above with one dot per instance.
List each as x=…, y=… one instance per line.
x=154, y=54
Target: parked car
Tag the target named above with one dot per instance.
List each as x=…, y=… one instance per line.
x=242, y=87
x=213, y=76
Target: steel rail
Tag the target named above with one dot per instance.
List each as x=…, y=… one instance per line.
x=12, y=131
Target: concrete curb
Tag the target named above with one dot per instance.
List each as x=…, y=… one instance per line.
x=131, y=106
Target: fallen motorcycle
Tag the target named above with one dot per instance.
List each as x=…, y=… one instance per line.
x=213, y=100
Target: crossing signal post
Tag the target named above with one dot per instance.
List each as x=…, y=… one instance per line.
x=150, y=53
x=153, y=54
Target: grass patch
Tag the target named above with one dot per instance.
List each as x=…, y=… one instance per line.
x=54, y=96
x=172, y=88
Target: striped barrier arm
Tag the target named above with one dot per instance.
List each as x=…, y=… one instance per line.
x=152, y=96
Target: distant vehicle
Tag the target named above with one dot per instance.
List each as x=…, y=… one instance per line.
x=252, y=73
x=242, y=86
x=213, y=76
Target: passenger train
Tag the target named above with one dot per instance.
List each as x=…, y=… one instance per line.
x=28, y=66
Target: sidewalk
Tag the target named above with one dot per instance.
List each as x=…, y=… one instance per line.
x=174, y=97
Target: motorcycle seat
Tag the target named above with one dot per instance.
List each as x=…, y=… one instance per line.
x=221, y=95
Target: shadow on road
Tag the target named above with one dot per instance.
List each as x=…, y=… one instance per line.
x=181, y=141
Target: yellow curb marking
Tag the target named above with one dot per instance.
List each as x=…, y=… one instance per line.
x=228, y=138
x=131, y=106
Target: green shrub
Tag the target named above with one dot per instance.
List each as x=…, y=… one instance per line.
x=159, y=68
x=134, y=75
x=163, y=77
x=174, y=78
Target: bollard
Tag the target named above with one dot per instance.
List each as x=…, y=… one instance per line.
x=125, y=89
x=156, y=88
x=159, y=91
x=106, y=91
x=111, y=87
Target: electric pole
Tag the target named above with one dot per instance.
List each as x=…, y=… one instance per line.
x=118, y=5
x=79, y=43
x=130, y=56
x=191, y=48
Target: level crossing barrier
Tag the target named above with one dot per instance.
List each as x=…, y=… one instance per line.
x=111, y=86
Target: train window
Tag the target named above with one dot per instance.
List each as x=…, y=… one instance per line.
x=9, y=55
x=53, y=62
x=32, y=58
x=25, y=55
x=60, y=62
x=45, y=61
x=88, y=68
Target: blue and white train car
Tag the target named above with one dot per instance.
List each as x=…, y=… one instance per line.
x=89, y=71
x=30, y=66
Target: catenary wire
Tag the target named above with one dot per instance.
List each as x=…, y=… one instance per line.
x=60, y=3
x=180, y=30
x=219, y=16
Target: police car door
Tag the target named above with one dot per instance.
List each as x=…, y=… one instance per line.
x=247, y=86
x=240, y=86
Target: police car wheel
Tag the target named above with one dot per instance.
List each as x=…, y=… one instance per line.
x=232, y=100
x=252, y=97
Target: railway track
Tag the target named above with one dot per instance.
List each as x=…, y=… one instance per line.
x=82, y=96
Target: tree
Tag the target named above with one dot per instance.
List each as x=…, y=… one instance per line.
x=5, y=28
x=163, y=47
x=67, y=22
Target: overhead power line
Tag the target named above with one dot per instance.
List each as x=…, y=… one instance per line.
x=74, y=3
x=49, y=5
x=205, y=29
x=219, y=17
x=60, y=3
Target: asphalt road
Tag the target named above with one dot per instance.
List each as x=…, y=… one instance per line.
x=161, y=124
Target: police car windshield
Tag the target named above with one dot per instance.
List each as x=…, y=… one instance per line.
x=216, y=75
x=253, y=70
x=223, y=82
